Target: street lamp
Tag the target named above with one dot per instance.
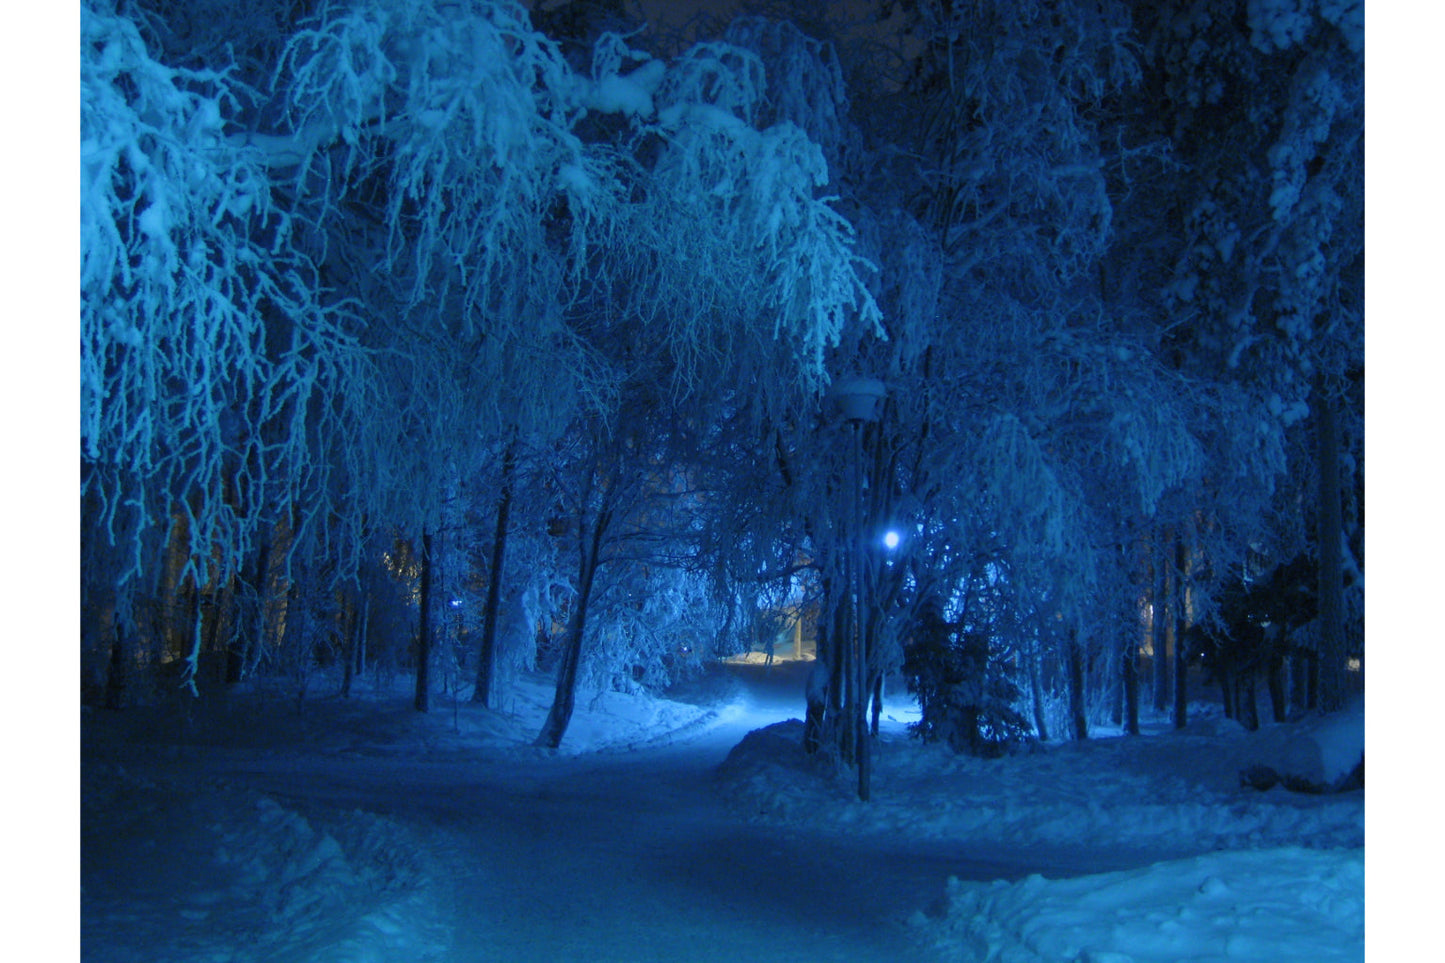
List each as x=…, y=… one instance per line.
x=859, y=400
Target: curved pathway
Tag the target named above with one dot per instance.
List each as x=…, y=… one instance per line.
x=631, y=856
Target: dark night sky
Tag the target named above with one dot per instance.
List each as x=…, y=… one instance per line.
x=671, y=15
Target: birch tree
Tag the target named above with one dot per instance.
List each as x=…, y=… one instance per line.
x=354, y=284
x=210, y=371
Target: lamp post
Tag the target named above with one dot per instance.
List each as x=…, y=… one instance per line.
x=859, y=401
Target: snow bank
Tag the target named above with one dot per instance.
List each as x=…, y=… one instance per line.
x=603, y=721
x=177, y=866
x=1174, y=792
x=617, y=721
x=173, y=872
x=1288, y=885
x=1270, y=906
x=1321, y=753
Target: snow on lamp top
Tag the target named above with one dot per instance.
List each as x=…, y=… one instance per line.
x=858, y=398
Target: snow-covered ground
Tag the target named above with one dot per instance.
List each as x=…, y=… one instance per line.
x=1176, y=791
x=179, y=862
x=1268, y=905
x=1281, y=875
x=361, y=830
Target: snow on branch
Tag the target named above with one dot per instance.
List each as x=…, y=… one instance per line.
x=1024, y=485
x=746, y=202
x=186, y=276
x=805, y=82
x=611, y=91
x=728, y=78
x=1154, y=442
x=1017, y=184
x=471, y=119
x=465, y=112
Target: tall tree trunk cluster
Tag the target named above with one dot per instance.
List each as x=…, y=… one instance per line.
x=196, y=626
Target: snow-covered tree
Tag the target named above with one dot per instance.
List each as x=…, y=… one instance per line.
x=1022, y=420
x=422, y=243
x=379, y=266
x=1267, y=111
x=209, y=367
x=1021, y=374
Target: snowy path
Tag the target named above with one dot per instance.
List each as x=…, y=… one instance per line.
x=630, y=855
x=360, y=831
x=625, y=855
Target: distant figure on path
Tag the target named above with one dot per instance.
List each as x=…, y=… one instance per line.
x=768, y=650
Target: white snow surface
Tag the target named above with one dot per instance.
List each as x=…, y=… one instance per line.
x=1175, y=791
x=361, y=830
x=1268, y=905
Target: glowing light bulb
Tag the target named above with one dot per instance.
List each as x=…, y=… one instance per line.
x=890, y=540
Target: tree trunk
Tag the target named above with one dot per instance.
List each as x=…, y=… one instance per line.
x=1036, y=689
x=424, y=639
x=1226, y=690
x=837, y=678
x=223, y=605
x=564, y=700
x=486, y=660
x=877, y=702
x=362, y=632
x=1162, y=628
x=1278, y=703
x=816, y=698
x=865, y=760
x=848, y=651
x=348, y=654
x=118, y=677
x=1077, y=709
x=1134, y=648
x=1249, y=701
x=304, y=641
x=1312, y=679
x=253, y=621
x=1181, y=627
x=1299, y=678
x=1332, y=656
x=1131, y=686
x=196, y=641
